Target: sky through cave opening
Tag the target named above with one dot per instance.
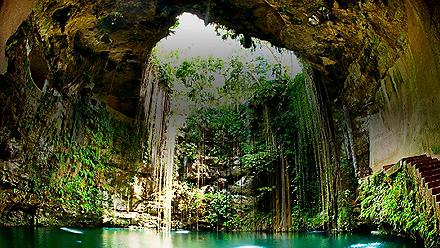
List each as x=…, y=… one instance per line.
x=192, y=39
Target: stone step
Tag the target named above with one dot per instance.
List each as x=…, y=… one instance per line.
x=424, y=163
x=420, y=161
x=416, y=158
x=427, y=167
x=433, y=171
x=429, y=170
x=421, y=164
x=431, y=178
x=426, y=159
x=433, y=184
x=435, y=191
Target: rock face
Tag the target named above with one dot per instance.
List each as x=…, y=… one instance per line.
x=12, y=14
x=53, y=131
x=378, y=60
x=408, y=120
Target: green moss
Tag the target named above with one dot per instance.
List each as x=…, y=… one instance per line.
x=79, y=171
x=305, y=219
x=396, y=202
x=435, y=149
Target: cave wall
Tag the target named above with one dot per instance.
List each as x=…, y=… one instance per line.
x=408, y=122
x=67, y=157
x=12, y=14
x=112, y=38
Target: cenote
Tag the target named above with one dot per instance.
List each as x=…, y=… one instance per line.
x=242, y=123
x=115, y=237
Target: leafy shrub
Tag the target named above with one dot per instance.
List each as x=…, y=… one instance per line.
x=397, y=201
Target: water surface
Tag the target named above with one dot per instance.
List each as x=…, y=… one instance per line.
x=114, y=237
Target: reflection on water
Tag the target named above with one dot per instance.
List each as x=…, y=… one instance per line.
x=369, y=245
x=71, y=230
x=127, y=238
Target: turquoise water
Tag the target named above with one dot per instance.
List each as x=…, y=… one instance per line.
x=112, y=237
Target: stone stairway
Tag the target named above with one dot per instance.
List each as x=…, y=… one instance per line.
x=426, y=169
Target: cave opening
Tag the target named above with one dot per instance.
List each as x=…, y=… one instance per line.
x=216, y=83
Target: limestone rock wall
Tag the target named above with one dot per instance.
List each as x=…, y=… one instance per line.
x=12, y=14
x=65, y=157
x=408, y=122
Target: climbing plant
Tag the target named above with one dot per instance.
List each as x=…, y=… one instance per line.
x=82, y=162
x=396, y=204
x=255, y=113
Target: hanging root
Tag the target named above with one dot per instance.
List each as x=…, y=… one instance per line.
x=208, y=13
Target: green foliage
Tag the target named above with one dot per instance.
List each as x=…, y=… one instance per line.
x=223, y=126
x=397, y=201
x=79, y=170
x=213, y=209
x=307, y=219
x=435, y=149
x=219, y=210
x=257, y=221
x=175, y=26
x=259, y=161
x=80, y=178
x=188, y=150
x=259, y=116
x=198, y=75
x=167, y=69
x=346, y=215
